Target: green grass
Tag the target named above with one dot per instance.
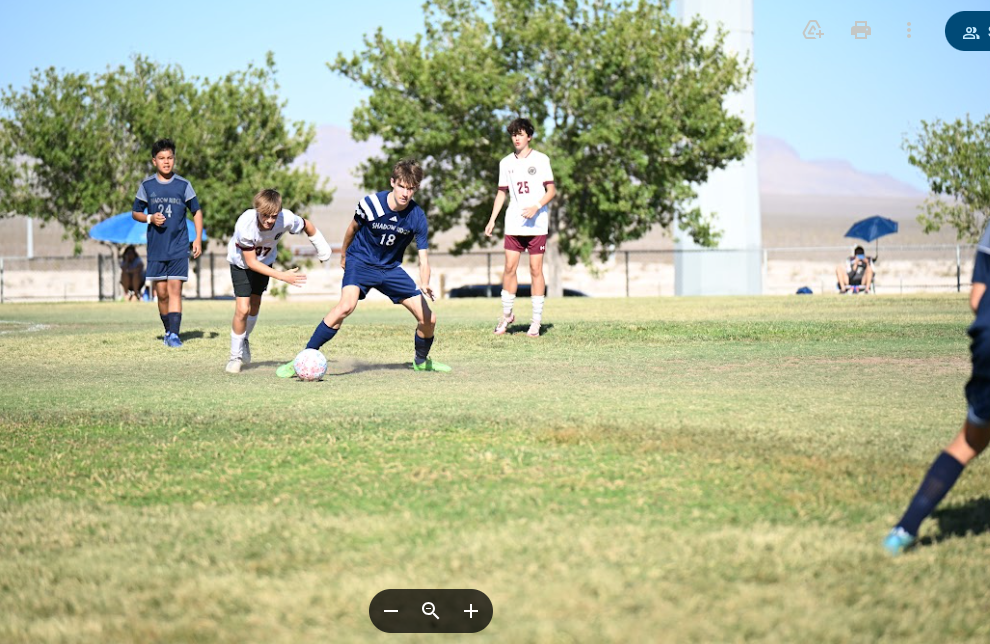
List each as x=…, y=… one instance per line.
x=707, y=470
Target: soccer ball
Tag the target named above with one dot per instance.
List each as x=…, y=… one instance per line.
x=310, y=365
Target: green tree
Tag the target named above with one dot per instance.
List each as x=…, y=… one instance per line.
x=956, y=159
x=629, y=99
x=73, y=147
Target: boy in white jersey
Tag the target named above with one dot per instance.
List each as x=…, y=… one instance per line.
x=251, y=253
x=525, y=176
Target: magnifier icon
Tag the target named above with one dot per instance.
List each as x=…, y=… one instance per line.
x=431, y=611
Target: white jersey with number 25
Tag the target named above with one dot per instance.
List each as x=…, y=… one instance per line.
x=526, y=180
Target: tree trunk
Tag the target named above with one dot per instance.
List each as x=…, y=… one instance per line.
x=552, y=264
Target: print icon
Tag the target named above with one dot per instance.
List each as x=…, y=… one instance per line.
x=861, y=29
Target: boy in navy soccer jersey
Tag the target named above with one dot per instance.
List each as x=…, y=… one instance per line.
x=972, y=439
x=166, y=196
x=383, y=226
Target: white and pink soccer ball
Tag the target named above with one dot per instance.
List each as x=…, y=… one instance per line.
x=310, y=365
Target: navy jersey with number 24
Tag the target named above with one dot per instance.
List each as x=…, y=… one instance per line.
x=171, y=198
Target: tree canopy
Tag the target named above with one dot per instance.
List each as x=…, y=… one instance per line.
x=73, y=147
x=628, y=102
x=956, y=159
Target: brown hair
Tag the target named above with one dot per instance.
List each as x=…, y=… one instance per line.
x=408, y=172
x=268, y=202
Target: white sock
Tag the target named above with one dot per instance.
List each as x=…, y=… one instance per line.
x=251, y=321
x=538, y=308
x=237, y=344
x=508, y=299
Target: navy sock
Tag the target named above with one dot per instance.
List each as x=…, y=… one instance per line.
x=422, y=348
x=942, y=475
x=164, y=321
x=321, y=336
x=174, y=323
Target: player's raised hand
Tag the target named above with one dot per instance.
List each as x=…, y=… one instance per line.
x=294, y=277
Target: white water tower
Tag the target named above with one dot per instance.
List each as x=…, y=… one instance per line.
x=735, y=268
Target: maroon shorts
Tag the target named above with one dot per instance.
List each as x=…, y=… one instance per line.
x=535, y=244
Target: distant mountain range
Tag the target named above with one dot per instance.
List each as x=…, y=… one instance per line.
x=782, y=171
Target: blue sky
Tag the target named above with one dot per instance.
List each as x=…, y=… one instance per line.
x=834, y=97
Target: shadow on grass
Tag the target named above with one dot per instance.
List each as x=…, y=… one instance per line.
x=970, y=518
x=359, y=367
x=197, y=335
x=523, y=328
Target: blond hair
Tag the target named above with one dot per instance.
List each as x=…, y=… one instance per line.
x=268, y=202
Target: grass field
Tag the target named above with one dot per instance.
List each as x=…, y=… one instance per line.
x=676, y=470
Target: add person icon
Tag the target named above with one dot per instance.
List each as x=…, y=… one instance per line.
x=971, y=34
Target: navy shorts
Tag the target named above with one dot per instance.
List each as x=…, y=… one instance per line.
x=393, y=282
x=978, y=387
x=172, y=269
x=246, y=282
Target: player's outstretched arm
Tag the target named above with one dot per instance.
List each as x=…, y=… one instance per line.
x=424, y=274
x=319, y=242
x=496, y=209
x=348, y=238
x=291, y=276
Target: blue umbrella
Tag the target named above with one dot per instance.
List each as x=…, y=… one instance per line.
x=872, y=228
x=123, y=229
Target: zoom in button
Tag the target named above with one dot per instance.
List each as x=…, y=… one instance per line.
x=969, y=31
x=431, y=611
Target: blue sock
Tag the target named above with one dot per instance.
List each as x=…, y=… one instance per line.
x=422, y=348
x=321, y=336
x=940, y=478
x=164, y=321
x=174, y=322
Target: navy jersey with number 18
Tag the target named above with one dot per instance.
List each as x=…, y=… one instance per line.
x=383, y=234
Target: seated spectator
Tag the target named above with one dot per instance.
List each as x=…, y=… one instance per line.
x=131, y=274
x=856, y=273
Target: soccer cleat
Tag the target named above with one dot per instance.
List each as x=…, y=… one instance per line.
x=534, y=330
x=898, y=540
x=246, y=352
x=287, y=370
x=503, y=323
x=234, y=365
x=429, y=365
x=172, y=340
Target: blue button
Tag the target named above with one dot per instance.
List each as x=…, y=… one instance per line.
x=969, y=31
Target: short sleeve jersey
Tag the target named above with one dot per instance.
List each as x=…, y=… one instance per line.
x=171, y=198
x=383, y=234
x=981, y=275
x=526, y=180
x=248, y=235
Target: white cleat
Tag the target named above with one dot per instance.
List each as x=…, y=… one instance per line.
x=503, y=323
x=234, y=365
x=534, y=330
